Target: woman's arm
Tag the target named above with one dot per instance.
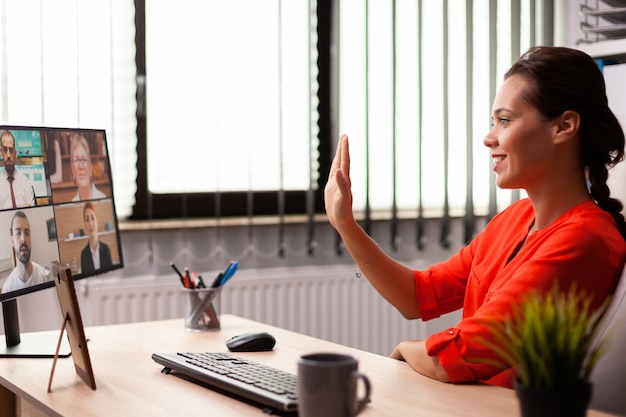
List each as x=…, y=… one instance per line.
x=391, y=279
x=414, y=353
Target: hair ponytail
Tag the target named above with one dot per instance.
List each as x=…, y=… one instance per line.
x=601, y=193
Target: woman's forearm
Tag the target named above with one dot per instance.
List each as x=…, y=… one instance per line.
x=414, y=353
x=390, y=278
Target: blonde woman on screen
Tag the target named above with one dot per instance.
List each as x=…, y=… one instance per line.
x=82, y=174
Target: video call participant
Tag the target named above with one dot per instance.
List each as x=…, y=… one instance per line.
x=96, y=255
x=553, y=133
x=26, y=273
x=82, y=171
x=16, y=190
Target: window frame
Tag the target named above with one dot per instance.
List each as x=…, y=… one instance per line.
x=149, y=206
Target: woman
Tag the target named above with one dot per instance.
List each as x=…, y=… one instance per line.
x=553, y=133
x=96, y=255
x=82, y=170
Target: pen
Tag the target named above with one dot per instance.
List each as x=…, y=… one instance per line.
x=210, y=310
x=232, y=268
x=218, y=279
x=200, y=281
x=182, y=279
x=187, y=282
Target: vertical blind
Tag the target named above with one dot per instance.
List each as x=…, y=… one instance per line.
x=416, y=83
x=71, y=63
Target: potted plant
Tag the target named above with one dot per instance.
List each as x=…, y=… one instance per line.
x=549, y=340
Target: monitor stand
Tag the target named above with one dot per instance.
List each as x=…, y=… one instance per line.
x=28, y=345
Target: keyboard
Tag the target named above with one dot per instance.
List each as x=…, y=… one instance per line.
x=260, y=383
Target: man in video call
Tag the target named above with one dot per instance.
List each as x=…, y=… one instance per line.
x=16, y=190
x=26, y=273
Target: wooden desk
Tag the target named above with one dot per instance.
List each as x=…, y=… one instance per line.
x=129, y=382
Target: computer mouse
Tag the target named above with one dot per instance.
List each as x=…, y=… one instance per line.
x=251, y=342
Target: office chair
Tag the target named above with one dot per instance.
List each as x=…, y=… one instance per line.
x=609, y=374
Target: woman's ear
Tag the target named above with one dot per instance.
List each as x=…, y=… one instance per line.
x=566, y=126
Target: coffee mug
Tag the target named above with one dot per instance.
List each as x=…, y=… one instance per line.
x=327, y=386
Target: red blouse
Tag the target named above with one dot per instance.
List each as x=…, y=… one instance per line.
x=486, y=277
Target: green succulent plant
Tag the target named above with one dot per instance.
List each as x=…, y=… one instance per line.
x=549, y=339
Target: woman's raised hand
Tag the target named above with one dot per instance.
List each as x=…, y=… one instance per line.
x=337, y=194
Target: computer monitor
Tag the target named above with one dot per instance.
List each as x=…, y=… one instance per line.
x=56, y=205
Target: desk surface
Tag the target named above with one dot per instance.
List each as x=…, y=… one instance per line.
x=129, y=382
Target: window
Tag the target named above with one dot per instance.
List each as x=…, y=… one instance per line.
x=415, y=86
x=71, y=64
x=410, y=81
x=231, y=107
x=417, y=79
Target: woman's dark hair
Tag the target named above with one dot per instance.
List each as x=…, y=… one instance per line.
x=568, y=79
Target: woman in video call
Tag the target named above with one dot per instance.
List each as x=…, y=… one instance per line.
x=96, y=255
x=554, y=136
x=82, y=174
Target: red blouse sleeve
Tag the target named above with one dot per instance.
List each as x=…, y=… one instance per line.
x=569, y=254
x=441, y=288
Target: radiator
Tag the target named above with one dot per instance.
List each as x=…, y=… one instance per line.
x=327, y=302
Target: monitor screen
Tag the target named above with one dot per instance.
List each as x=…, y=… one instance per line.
x=56, y=205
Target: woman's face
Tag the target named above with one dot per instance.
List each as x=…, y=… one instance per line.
x=91, y=222
x=521, y=143
x=81, y=167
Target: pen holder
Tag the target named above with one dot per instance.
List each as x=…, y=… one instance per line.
x=202, y=309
